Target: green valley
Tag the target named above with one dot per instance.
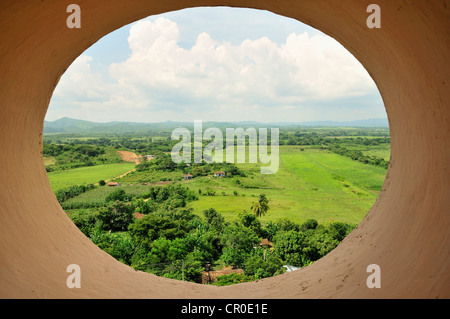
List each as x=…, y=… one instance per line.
x=190, y=220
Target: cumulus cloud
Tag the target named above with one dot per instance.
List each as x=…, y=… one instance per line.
x=215, y=80
x=79, y=84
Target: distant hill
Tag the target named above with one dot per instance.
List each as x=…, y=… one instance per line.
x=68, y=125
x=357, y=123
x=74, y=126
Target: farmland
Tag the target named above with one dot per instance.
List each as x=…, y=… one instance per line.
x=309, y=184
x=97, y=196
x=312, y=181
x=87, y=175
x=327, y=180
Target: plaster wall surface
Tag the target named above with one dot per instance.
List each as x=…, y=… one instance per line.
x=406, y=232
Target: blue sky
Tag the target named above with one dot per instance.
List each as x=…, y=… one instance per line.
x=216, y=64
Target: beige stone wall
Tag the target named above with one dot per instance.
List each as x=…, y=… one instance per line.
x=406, y=232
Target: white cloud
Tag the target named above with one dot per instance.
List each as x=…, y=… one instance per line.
x=214, y=80
x=77, y=82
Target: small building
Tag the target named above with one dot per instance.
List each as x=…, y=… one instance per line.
x=113, y=184
x=290, y=268
x=188, y=176
x=138, y=215
x=265, y=243
x=219, y=173
x=149, y=157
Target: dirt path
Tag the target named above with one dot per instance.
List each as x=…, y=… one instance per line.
x=126, y=173
x=128, y=157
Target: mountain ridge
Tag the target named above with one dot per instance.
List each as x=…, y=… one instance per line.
x=70, y=125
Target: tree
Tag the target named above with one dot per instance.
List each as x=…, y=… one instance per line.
x=340, y=230
x=214, y=219
x=285, y=224
x=118, y=195
x=233, y=256
x=85, y=221
x=187, y=270
x=259, y=267
x=144, y=207
x=269, y=230
x=289, y=247
x=116, y=216
x=319, y=243
x=164, y=250
x=238, y=242
x=260, y=207
x=151, y=227
x=232, y=170
x=175, y=201
x=118, y=245
x=309, y=224
x=250, y=221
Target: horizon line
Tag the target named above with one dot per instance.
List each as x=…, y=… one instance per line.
x=215, y=121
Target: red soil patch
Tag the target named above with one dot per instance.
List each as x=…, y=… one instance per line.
x=130, y=156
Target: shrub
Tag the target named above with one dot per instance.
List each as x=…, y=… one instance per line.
x=259, y=268
x=233, y=278
x=116, y=216
x=118, y=245
x=309, y=224
x=215, y=219
x=72, y=191
x=85, y=221
x=340, y=230
x=118, y=195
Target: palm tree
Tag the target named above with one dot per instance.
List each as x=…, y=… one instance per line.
x=260, y=207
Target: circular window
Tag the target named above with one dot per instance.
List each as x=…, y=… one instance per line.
x=216, y=153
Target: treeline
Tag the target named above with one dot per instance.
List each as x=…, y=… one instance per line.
x=359, y=156
x=171, y=241
x=86, y=152
x=64, y=194
x=171, y=196
x=325, y=138
x=164, y=162
x=72, y=155
x=141, y=145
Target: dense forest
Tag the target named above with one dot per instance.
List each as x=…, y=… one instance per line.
x=170, y=241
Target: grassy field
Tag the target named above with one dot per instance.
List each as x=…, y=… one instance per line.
x=154, y=177
x=87, y=175
x=383, y=153
x=309, y=184
x=50, y=160
x=382, y=150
